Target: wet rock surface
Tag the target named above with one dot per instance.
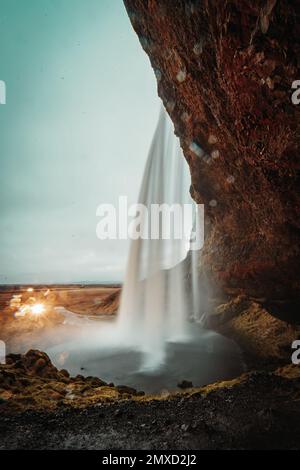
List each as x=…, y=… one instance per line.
x=185, y=384
x=266, y=341
x=225, y=71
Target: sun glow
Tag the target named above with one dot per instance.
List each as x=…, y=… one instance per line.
x=33, y=310
x=37, y=309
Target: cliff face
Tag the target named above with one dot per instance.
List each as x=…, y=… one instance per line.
x=225, y=71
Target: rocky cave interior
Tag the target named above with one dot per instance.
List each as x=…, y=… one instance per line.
x=224, y=71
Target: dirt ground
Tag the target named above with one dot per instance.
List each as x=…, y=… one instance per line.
x=261, y=412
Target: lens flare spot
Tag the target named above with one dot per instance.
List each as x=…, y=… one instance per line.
x=37, y=309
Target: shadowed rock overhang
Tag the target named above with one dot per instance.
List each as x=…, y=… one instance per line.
x=225, y=71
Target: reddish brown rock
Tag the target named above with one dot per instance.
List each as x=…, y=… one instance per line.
x=35, y=363
x=225, y=71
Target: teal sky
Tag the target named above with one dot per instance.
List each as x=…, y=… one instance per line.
x=75, y=131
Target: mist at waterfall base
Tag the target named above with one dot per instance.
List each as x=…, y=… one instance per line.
x=157, y=340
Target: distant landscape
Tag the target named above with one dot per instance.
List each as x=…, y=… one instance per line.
x=20, y=332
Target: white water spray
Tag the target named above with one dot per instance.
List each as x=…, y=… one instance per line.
x=151, y=345
x=154, y=305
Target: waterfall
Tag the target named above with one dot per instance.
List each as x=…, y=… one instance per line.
x=155, y=303
x=158, y=339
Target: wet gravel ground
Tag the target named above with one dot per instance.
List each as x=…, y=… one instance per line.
x=263, y=412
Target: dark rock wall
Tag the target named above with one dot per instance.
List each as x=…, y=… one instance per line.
x=224, y=71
